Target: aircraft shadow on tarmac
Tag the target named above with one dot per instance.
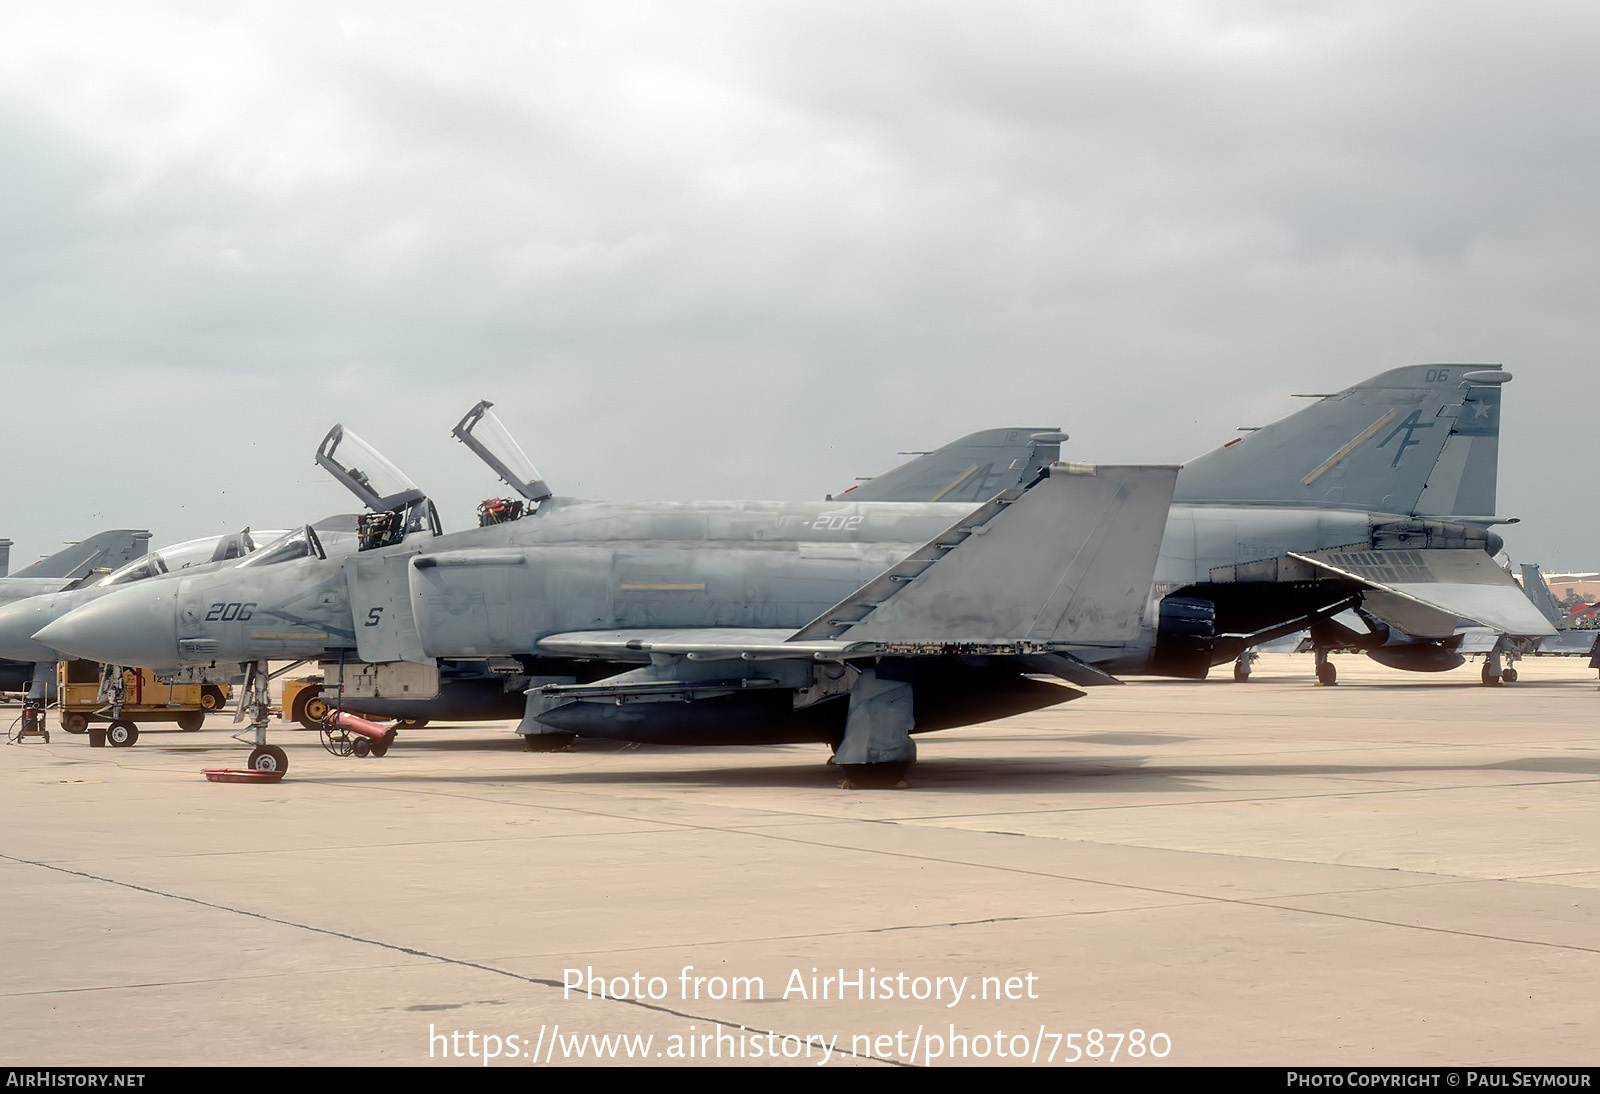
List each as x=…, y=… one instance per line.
x=1348, y=683
x=1133, y=774
x=1136, y=772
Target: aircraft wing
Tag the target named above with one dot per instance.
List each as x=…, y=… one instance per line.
x=1420, y=591
x=750, y=644
x=695, y=643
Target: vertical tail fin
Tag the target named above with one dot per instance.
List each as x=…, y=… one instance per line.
x=1538, y=591
x=974, y=468
x=1422, y=439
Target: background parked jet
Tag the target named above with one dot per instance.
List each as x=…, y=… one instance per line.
x=1568, y=639
x=33, y=664
x=67, y=568
x=1365, y=517
x=100, y=553
x=1418, y=609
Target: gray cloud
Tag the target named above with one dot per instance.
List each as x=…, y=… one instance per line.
x=732, y=249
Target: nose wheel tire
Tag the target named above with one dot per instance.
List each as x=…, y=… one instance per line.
x=269, y=758
x=120, y=734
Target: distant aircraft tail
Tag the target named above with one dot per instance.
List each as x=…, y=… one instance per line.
x=974, y=468
x=103, y=552
x=1422, y=440
x=5, y=557
x=1538, y=591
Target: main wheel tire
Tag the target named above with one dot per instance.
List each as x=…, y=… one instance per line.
x=1509, y=676
x=269, y=758
x=1240, y=676
x=891, y=776
x=191, y=720
x=211, y=698
x=122, y=734
x=1327, y=674
x=1490, y=680
x=75, y=723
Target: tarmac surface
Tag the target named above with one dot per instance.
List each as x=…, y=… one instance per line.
x=1400, y=870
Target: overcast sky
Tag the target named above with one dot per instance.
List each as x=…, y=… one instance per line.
x=753, y=249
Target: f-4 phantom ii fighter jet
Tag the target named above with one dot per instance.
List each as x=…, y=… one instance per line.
x=20, y=619
x=1402, y=469
x=855, y=624
x=1364, y=517
x=66, y=569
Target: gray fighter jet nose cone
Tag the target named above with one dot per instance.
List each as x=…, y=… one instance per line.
x=18, y=623
x=133, y=626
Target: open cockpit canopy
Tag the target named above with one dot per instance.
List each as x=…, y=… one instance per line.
x=492, y=443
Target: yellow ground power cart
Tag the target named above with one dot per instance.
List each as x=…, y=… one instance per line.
x=303, y=702
x=146, y=700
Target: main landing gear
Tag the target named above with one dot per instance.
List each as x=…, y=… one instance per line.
x=876, y=750
x=1495, y=672
x=1327, y=674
